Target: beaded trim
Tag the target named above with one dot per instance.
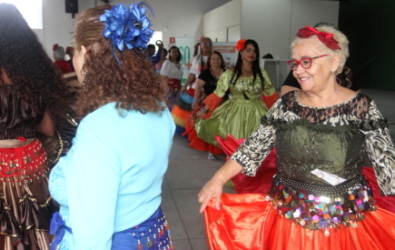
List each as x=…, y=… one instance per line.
x=317, y=210
x=30, y=164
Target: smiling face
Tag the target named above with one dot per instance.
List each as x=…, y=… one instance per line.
x=248, y=54
x=318, y=76
x=215, y=61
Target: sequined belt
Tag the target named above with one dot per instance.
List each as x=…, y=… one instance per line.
x=319, y=207
x=174, y=84
x=321, y=189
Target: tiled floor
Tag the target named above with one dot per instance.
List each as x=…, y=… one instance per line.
x=190, y=169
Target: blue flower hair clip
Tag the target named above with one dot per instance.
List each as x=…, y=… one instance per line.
x=127, y=27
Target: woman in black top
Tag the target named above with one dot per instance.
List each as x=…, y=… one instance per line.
x=206, y=84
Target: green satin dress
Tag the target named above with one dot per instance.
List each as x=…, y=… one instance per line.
x=240, y=115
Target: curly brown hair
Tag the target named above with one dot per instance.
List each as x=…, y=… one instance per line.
x=26, y=66
x=133, y=85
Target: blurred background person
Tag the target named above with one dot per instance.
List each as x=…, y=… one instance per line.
x=205, y=86
x=70, y=53
x=172, y=71
x=183, y=108
x=163, y=58
x=59, y=59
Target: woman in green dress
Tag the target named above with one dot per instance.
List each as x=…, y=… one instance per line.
x=250, y=93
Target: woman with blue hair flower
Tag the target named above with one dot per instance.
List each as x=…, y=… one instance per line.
x=109, y=184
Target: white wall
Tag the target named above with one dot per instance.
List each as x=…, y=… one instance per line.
x=176, y=18
x=274, y=23
x=223, y=23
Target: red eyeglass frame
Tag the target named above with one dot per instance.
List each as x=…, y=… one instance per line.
x=298, y=62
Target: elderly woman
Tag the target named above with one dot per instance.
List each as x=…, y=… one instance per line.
x=109, y=184
x=323, y=133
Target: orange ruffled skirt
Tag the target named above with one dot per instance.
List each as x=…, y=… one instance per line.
x=249, y=222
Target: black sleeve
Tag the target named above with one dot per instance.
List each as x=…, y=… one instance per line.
x=205, y=75
x=291, y=81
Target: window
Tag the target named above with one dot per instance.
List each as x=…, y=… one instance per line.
x=31, y=10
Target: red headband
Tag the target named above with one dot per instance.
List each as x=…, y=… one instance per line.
x=325, y=37
x=54, y=47
x=240, y=45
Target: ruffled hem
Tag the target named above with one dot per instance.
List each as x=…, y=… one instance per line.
x=249, y=221
x=199, y=144
x=180, y=116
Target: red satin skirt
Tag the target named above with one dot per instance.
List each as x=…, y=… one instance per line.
x=249, y=222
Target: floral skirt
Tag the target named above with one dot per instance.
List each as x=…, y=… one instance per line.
x=25, y=203
x=250, y=221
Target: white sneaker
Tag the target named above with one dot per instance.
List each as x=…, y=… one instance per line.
x=211, y=156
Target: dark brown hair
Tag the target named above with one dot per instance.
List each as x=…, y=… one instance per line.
x=222, y=66
x=133, y=85
x=178, y=59
x=27, y=67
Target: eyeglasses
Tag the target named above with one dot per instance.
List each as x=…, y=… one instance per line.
x=304, y=62
x=208, y=44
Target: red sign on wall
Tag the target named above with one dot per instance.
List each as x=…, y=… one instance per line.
x=172, y=40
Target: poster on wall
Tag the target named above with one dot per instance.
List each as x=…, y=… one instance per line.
x=186, y=46
x=228, y=51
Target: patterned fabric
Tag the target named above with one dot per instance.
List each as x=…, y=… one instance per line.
x=334, y=139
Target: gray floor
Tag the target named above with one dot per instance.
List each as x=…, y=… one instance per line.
x=189, y=169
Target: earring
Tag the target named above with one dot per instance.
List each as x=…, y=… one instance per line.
x=332, y=71
x=83, y=73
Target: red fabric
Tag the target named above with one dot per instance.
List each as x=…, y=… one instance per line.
x=325, y=37
x=249, y=222
x=197, y=143
x=240, y=45
x=270, y=100
x=17, y=161
x=212, y=102
x=385, y=202
x=63, y=66
x=174, y=84
x=261, y=183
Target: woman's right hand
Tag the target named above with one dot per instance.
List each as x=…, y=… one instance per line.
x=212, y=190
x=195, y=104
